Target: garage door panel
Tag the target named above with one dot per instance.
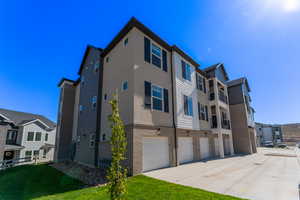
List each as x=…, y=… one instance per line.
x=204, y=148
x=155, y=153
x=217, y=151
x=185, y=149
x=227, y=146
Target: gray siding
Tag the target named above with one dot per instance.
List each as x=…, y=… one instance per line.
x=87, y=119
x=235, y=95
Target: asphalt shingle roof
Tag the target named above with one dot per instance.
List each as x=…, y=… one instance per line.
x=19, y=118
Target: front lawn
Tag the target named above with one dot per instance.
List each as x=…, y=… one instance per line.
x=42, y=182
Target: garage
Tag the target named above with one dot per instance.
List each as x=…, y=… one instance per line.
x=216, y=141
x=185, y=149
x=155, y=153
x=226, y=146
x=204, y=148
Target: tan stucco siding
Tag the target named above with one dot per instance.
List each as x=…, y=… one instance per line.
x=119, y=68
x=144, y=71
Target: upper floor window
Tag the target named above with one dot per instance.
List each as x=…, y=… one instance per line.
x=125, y=85
x=155, y=55
x=188, y=105
x=126, y=42
x=107, y=59
x=92, y=140
x=96, y=66
x=105, y=97
x=200, y=83
x=30, y=136
x=203, y=112
x=82, y=80
x=80, y=108
x=94, y=102
x=186, y=71
x=46, y=137
x=157, y=98
x=38, y=136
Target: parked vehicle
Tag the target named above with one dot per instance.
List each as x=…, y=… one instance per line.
x=269, y=144
x=281, y=145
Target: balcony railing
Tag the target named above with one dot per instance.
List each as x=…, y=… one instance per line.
x=226, y=124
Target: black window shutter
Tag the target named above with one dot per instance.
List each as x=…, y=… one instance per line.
x=204, y=85
x=183, y=69
x=206, y=113
x=165, y=62
x=147, y=49
x=147, y=95
x=166, y=101
x=197, y=82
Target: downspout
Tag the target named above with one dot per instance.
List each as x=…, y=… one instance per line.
x=98, y=117
x=173, y=111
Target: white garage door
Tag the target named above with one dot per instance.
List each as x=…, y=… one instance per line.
x=155, y=153
x=185, y=149
x=217, y=146
x=226, y=146
x=204, y=148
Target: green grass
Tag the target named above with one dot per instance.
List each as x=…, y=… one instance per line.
x=45, y=183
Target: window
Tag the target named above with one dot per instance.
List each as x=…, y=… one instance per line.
x=78, y=139
x=96, y=66
x=126, y=42
x=186, y=71
x=200, y=83
x=157, y=98
x=201, y=111
x=105, y=97
x=107, y=59
x=103, y=137
x=92, y=141
x=188, y=105
x=82, y=80
x=156, y=55
x=46, y=137
x=80, y=108
x=94, y=102
x=30, y=136
x=125, y=85
x=28, y=154
x=38, y=136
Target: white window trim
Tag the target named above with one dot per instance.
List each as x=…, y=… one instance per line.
x=161, y=50
x=162, y=98
x=188, y=96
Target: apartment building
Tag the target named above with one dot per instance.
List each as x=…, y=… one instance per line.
x=242, y=115
x=291, y=134
x=173, y=111
x=269, y=134
x=25, y=135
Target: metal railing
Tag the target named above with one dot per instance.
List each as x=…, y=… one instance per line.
x=14, y=162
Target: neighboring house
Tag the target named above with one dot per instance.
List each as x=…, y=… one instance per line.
x=269, y=133
x=25, y=135
x=173, y=112
x=291, y=134
x=242, y=115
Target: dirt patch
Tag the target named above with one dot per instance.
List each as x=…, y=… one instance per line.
x=88, y=175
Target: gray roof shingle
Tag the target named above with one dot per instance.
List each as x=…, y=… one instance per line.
x=19, y=118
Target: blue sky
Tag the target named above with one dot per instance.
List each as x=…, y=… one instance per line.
x=43, y=41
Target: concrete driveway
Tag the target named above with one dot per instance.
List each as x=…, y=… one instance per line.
x=271, y=174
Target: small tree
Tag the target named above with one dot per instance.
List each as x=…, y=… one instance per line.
x=117, y=174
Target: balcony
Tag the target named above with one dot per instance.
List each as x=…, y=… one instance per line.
x=11, y=142
x=226, y=124
x=212, y=96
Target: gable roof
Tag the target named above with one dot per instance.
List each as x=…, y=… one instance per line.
x=21, y=118
x=133, y=22
x=239, y=81
x=86, y=53
x=214, y=67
